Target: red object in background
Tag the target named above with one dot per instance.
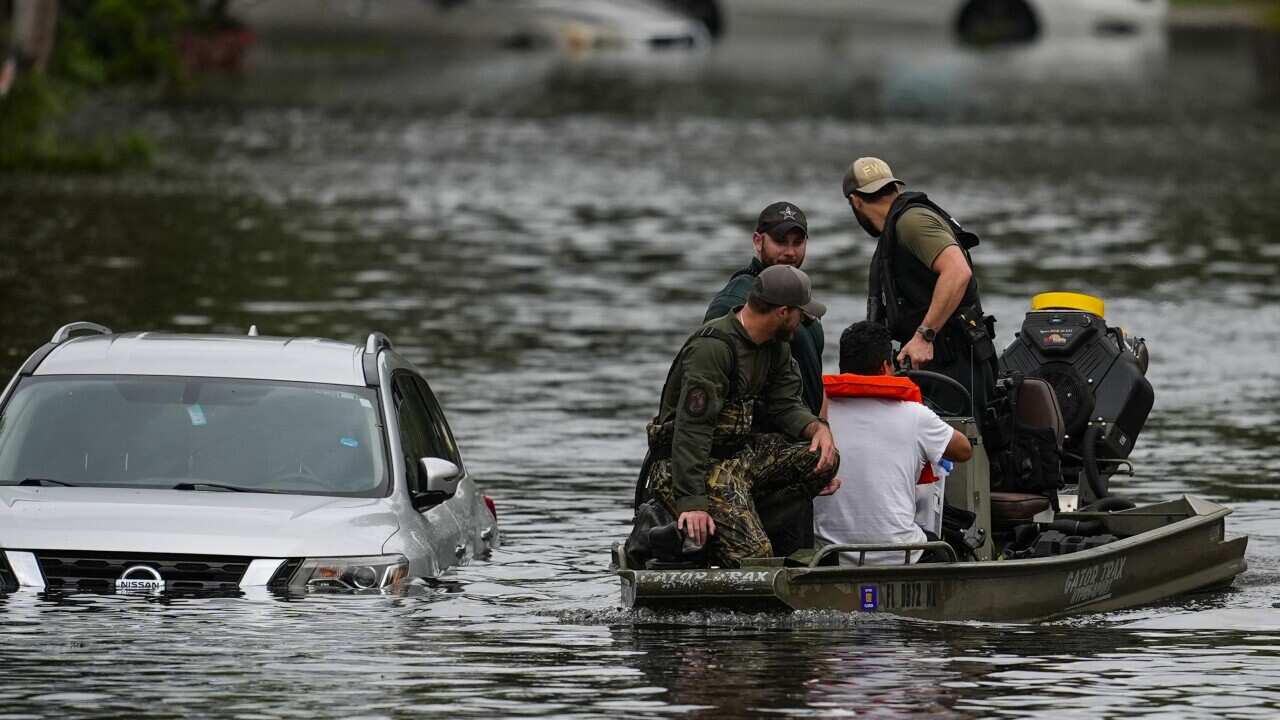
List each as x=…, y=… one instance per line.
x=493, y=508
x=215, y=51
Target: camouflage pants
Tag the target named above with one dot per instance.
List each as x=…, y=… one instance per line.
x=770, y=468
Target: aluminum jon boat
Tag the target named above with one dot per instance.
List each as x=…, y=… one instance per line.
x=1164, y=550
x=1055, y=545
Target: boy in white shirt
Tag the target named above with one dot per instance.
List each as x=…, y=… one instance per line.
x=885, y=437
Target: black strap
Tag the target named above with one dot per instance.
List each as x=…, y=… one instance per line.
x=642, y=489
x=707, y=332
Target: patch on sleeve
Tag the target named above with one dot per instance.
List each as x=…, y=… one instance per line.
x=695, y=402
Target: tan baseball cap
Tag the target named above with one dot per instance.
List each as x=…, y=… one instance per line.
x=867, y=175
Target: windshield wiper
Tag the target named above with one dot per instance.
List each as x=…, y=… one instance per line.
x=43, y=482
x=216, y=486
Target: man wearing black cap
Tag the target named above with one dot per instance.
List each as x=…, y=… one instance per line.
x=781, y=238
x=707, y=466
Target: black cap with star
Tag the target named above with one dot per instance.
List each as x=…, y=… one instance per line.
x=781, y=218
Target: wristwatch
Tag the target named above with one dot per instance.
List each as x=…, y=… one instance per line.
x=927, y=333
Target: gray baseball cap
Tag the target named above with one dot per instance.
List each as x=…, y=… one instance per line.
x=788, y=286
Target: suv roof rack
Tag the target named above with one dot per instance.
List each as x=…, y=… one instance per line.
x=376, y=341
x=64, y=332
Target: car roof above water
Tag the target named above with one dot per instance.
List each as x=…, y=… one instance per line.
x=312, y=360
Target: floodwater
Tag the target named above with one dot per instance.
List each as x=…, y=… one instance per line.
x=540, y=233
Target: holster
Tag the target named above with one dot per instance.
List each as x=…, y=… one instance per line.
x=973, y=331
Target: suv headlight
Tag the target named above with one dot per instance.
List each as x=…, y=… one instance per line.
x=371, y=572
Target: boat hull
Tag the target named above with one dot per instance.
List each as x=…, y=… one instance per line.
x=1171, y=548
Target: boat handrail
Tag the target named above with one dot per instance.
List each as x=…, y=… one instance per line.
x=862, y=550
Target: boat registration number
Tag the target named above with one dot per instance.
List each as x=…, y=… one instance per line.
x=901, y=596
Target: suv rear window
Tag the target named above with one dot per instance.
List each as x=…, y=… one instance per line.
x=161, y=432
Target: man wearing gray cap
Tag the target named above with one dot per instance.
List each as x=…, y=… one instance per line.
x=922, y=286
x=706, y=466
x=781, y=237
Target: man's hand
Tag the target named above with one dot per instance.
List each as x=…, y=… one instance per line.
x=831, y=487
x=823, y=444
x=697, y=524
x=918, y=350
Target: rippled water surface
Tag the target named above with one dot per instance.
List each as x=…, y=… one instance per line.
x=540, y=232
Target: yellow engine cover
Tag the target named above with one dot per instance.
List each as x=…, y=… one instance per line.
x=1069, y=301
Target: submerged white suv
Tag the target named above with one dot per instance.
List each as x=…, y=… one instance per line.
x=213, y=463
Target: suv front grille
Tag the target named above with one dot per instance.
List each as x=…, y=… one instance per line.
x=86, y=571
x=8, y=581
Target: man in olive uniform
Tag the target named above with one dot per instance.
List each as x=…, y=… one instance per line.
x=781, y=238
x=922, y=286
x=707, y=466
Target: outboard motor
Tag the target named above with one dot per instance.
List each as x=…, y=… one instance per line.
x=1099, y=376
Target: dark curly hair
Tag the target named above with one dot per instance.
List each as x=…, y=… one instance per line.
x=864, y=347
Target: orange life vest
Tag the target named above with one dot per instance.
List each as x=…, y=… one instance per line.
x=883, y=387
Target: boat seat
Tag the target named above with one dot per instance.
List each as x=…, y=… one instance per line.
x=1009, y=509
x=1038, y=407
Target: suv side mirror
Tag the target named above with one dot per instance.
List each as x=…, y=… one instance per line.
x=442, y=478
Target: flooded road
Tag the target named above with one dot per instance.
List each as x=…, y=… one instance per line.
x=540, y=233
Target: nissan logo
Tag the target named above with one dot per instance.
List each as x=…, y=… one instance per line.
x=140, y=578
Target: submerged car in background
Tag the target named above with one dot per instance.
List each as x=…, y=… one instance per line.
x=214, y=463
x=979, y=21
x=665, y=24
x=571, y=25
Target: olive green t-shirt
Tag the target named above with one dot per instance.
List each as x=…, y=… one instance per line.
x=924, y=234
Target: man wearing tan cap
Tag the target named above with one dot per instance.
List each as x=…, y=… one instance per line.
x=707, y=467
x=922, y=286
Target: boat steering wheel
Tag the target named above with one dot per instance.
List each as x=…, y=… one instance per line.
x=929, y=376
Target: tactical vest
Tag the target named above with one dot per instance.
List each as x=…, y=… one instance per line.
x=733, y=426
x=732, y=432
x=901, y=287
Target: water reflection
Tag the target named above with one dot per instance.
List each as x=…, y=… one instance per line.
x=884, y=669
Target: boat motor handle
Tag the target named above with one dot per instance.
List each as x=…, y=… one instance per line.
x=905, y=549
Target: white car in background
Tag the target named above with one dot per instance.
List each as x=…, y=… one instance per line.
x=974, y=20
x=579, y=25
x=571, y=25
x=216, y=463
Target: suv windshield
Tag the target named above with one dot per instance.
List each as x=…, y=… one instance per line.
x=194, y=434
